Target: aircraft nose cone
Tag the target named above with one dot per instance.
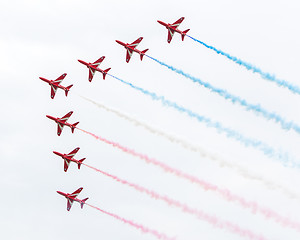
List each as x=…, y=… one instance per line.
x=57, y=153
x=59, y=192
x=44, y=79
x=50, y=117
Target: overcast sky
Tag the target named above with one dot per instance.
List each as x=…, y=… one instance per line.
x=45, y=39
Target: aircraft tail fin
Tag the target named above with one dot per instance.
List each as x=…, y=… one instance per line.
x=68, y=89
x=105, y=72
x=143, y=53
x=184, y=33
x=80, y=162
x=83, y=202
x=73, y=126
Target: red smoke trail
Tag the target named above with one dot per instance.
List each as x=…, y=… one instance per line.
x=138, y=226
x=201, y=215
x=225, y=193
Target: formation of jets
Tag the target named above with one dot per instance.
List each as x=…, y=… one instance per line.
x=130, y=48
x=93, y=68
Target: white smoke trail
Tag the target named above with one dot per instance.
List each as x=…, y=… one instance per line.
x=203, y=153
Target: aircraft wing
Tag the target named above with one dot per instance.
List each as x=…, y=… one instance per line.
x=170, y=34
x=97, y=63
x=69, y=204
x=128, y=55
x=72, y=153
x=177, y=23
x=66, y=117
x=91, y=74
x=136, y=42
x=75, y=194
x=59, y=128
x=66, y=165
x=53, y=91
x=59, y=79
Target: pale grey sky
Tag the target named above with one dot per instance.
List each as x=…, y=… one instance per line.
x=45, y=39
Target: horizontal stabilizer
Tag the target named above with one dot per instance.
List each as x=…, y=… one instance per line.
x=80, y=162
x=68, y=89
x=143, y=53
x=83, y=202
x=105, y=72
x=73, y=126
x=184, y=33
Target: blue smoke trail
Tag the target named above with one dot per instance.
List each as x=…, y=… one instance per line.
x=235, y=99
x=267, y=150
x=254, y=69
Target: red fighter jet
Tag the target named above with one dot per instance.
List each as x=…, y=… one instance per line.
x=56, y=84
x=61, y=122
x=69, y=158
x=172, y=28
x=131, y=47
x=93, y=67
x=71, y=197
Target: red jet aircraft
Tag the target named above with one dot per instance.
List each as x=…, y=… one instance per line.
x=72, y=197
x=131, y=47
x=93, y=67
x=69, y=158
x=56, y=84
x=173, y=28
x=61, y=122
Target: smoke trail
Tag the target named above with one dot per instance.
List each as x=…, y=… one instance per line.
x=225, y=193
x=187, y=145
x=287, y=125
x=135, y=225
x=254, y=69
x=151, y=129
x=199, y=214
x=267, y=150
